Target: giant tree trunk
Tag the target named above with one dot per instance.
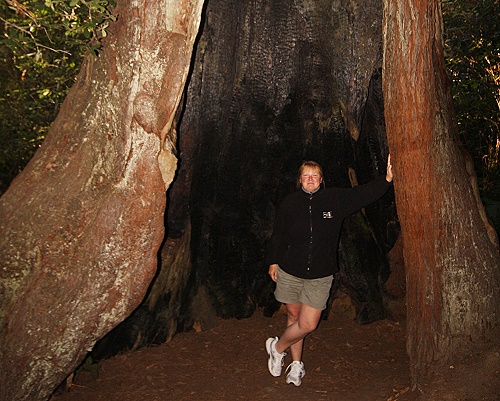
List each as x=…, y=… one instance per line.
x=450, y=251
x=82, y=224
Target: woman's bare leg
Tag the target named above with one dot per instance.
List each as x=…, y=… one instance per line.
x=293, y=311
x=302, y=320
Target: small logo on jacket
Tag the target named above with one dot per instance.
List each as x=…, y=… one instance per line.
x=328, y=215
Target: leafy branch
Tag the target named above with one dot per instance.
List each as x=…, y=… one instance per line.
x=29, y=25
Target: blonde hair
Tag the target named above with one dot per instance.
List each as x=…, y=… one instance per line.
x=309, y=163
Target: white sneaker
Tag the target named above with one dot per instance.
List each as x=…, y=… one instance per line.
x=296, y=372
x=276, y=360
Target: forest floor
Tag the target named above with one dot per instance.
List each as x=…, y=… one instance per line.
x=344, y=362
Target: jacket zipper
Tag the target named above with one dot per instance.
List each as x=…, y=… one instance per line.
x=310, y=236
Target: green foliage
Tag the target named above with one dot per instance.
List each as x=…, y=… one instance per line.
x=472, y=32
x=41, y=51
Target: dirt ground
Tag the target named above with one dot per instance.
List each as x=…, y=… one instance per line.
x=343, y=361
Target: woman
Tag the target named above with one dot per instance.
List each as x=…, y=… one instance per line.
x=303, y=256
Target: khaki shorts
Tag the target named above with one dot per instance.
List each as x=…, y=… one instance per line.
x=294, y=290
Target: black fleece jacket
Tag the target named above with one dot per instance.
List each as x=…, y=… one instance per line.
x=307, y=227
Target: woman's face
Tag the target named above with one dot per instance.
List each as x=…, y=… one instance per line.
x=310, y=179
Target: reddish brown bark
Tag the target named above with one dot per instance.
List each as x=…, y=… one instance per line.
x=82, y=224
x=451, y=261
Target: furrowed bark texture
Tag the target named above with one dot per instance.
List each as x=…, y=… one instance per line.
x=82, y=224
x=451, y=262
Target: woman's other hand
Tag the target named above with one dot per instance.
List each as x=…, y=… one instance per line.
x=273, y=271
x=389, y=176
